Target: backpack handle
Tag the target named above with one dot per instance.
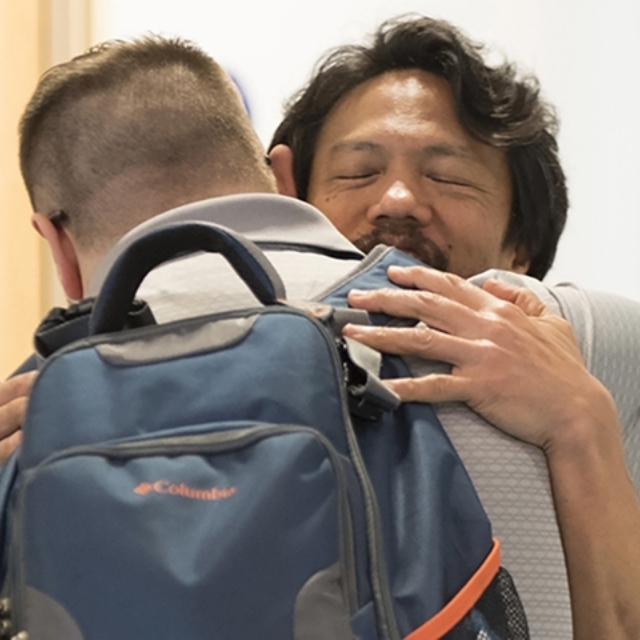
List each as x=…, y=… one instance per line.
x=173, y=241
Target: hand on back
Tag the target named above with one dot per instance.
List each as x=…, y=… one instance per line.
x=13, y=405
x=514, y=361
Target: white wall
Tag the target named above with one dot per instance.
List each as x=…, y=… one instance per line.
x=585, y=52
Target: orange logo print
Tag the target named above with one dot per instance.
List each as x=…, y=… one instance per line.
x=167, y=488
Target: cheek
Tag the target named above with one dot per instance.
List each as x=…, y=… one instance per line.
x=348, y=217
x=476, y=226
x=474, y=245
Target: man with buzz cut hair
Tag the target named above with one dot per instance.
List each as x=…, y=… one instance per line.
x=153, y=132
x=413, y=139
x=84, y=153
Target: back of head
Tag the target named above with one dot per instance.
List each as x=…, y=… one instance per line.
x=493, y=104
x=130, y=129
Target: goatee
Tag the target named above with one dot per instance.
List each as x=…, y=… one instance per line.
x=406, y=235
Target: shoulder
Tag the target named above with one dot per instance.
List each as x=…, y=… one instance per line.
x=607, y=329
x=602, y=322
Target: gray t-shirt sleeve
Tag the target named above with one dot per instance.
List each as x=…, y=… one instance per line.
x=607, y=328
x=511, y=476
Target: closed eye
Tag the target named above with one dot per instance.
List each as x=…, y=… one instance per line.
x=358, y=176
x=446, y=180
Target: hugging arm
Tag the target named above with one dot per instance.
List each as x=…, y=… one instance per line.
x=518, y=365
x=13, y=405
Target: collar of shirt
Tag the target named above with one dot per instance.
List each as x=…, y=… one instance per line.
x=260, y=217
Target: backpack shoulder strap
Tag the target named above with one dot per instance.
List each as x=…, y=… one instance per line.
x=370, y=274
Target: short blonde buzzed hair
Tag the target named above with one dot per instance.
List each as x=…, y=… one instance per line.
x=154, y=105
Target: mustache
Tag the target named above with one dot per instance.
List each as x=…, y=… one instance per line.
x=406, y=235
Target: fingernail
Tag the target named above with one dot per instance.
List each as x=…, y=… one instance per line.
x=355, y=329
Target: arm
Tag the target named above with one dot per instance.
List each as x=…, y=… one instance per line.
x=13, y=405
x=517, y=364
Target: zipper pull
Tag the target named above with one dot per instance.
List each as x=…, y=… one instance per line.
x=5, y=618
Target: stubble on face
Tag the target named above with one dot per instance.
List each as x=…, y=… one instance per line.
x=405, y=234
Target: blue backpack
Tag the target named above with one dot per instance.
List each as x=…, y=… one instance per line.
x=240, y=475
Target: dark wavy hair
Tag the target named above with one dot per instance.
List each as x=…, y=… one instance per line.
x=494, y=104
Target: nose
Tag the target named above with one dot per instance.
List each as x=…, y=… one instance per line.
x=400, y=200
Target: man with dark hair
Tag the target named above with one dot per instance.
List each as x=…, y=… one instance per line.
x=199, y=150
x=415, y=140
x=484, y=115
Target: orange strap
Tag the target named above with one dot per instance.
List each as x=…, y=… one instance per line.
x=463, y=602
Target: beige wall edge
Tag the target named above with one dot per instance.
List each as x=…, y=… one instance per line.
x=33, y=35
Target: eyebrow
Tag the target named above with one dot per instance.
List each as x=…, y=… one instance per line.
x=444, y=150
x=355, y=145
x=428, y=152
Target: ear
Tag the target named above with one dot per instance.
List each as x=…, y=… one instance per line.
x=64, y=255
x=281, y=158
x=521, y=260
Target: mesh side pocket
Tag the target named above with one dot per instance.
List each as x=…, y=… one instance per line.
x=516, y=617
x=498, y=614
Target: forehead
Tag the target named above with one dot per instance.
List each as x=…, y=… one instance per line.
x=400, y=109
x=407, y=94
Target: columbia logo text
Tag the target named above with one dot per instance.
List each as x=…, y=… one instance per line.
x=167, y=488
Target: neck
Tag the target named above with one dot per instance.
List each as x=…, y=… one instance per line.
x=126, y=214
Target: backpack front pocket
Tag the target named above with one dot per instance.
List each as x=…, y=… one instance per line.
x=235, y=533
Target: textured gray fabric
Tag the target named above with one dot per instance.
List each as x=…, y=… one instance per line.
x=607, y=328
x=511, y=477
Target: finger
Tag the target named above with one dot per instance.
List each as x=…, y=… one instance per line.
x=435, y=310
x=418, y=341
x=438, y=312
x=526, y=300
x=12, y=416
x=448, y=285
x=9, y=444
x=432, y=388
x=16, y=387
x=394, y=302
